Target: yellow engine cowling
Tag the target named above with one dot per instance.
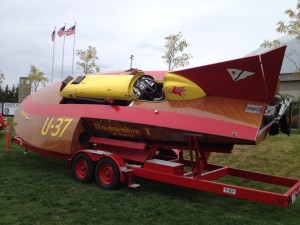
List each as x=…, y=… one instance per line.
x=177, y=87
x=131, y=87
x=102, y=87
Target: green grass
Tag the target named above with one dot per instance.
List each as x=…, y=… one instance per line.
x=38, y=190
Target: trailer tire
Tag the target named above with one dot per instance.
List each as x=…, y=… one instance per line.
x=107, y=173
x=83, y=168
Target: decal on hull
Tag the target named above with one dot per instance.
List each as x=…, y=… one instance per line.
x=237, y=74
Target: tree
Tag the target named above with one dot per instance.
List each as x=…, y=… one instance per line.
x=36, y=78
x=12, y=94
x=292, y=27
x=87, y=60
x=9, y=95
x=2, y=78
x=175, y=45
x=15, y=93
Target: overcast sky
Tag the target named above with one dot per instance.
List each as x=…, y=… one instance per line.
x=217, y=30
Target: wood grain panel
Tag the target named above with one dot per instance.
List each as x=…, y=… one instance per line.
x=225, y=109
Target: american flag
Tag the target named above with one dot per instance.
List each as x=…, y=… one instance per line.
x=53, y=35
x=70, y=31
x=61, y=31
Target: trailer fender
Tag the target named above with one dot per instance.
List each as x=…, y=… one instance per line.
x=96, y=155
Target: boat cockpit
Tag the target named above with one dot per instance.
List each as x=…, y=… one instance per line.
x=123, y=89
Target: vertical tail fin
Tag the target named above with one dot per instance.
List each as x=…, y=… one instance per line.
x=253, y=78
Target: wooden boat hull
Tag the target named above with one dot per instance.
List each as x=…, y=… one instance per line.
x=66, y=128
x=224, y=112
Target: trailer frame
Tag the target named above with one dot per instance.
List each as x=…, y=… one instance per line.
x=128, y=159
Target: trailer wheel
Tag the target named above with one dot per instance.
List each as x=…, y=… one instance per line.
x=83, y=168
x=107, y=174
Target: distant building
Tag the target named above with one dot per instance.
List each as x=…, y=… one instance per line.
x=24, y=88
x=289, y=80
x=290, y=84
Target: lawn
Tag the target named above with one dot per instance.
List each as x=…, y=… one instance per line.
x=38, y=190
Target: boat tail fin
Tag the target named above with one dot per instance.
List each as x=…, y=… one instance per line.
x=271, y=63
x=254, y=78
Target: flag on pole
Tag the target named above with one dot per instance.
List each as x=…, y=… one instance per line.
x=53, y=35
x=61, y=31
x=70, y=31
x=53, y=40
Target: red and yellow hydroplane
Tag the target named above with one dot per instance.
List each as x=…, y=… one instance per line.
x=140, y=117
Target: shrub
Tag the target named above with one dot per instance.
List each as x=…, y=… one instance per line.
x=295, y=122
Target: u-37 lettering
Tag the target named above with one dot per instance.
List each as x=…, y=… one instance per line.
x=55, y=126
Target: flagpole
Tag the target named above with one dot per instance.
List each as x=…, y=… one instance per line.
x=73, y=50
x=62, y=64
x=53, y=55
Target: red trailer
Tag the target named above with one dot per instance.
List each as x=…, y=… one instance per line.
x=3, y=123
x=111, y=162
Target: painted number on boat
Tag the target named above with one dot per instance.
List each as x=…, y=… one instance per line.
x=55, y=126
